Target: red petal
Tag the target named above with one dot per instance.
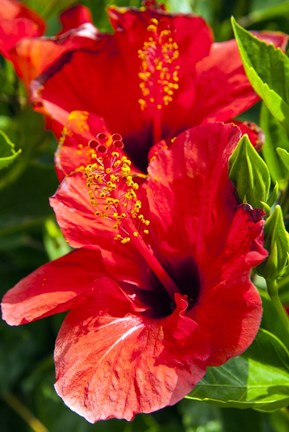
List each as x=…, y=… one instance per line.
x=194, y=214
x=17, y=22
x=53, y=288
x=75, y=17
x=75, y=214
x=230, y=316
x=222, y=88
x=254, y=132
x=112, y=365
x=230, y=311
x=188, y=189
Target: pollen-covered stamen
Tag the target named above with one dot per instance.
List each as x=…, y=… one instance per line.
x=113, y=194
x=112, y=189
x=159, y=72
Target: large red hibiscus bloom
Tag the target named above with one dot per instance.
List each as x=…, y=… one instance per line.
x=159, y=288
x=157, y=75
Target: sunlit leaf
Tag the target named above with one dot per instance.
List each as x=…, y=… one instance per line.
x=269, y=77
x=258, y=379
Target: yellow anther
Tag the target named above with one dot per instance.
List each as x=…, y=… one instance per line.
x=125, y=240
x=112, y=191
x=154, y=21
x=151, y=28
x=158, y=67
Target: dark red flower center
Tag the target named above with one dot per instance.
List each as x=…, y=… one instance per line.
x=159, y=304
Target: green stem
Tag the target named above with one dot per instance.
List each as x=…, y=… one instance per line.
x=24, y=412
x=273, y=293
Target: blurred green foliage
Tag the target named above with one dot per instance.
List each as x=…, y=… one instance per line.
x=30, y=237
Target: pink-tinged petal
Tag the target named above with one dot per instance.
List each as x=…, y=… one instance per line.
x=234, y=296
x=75, y=17
x=17, y=22
x=52, y=288
x=222, y=88
x=188, y=189
x=112, y=364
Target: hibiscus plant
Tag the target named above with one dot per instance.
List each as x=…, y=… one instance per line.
x=144, y=157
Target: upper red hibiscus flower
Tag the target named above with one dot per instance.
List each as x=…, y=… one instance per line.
x=157, y=75
x=159, y=288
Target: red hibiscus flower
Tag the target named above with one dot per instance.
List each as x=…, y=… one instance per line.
x=159, y=288
x=157, y=75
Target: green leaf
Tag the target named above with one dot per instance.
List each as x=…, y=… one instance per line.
x=284, y=156
x=258, y=379
x=277, y=244
x=273, y=196
x=250, y=174
x=270, y=76
x=263, y=10
x=7, y=152
x=275, y=146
